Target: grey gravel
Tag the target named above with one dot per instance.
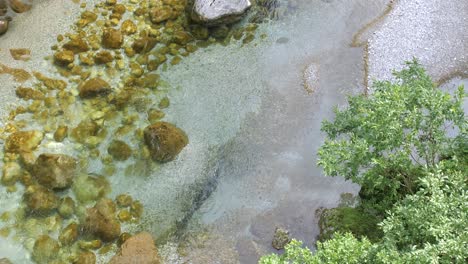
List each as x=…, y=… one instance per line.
x=433, y=31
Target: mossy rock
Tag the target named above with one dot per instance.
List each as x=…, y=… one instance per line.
x=119, y=150
x=165, y=141
x=88, y=188
x=101, y=221
x=349, y=219
x=45, y=249
x=40, y=200
x=55, y=171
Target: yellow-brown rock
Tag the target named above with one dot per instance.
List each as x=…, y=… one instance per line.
x=119, y=150
x=101, y=221
x=69, y=234
x=144, y=44
x=64, y=57
x=61, y=133
x=76, y=45
x=11, y=173
x=128, y=27
x=45, y=249
x=112, y=38
x=103, y=57
x=139, y=247
x=94, y=87
x=160, y=14
x=40, y=200
x=23, y=141
x=55, y=171
x=86, y=257
x=27, y=93
x=164, y=140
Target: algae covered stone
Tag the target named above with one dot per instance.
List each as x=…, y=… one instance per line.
x=164, y=140
x=119, y=150
x=76, y=45
x=45, y=249
x=67, y=207
x=23, y=141
x=89, y=188
x=69, y=234
x=11, y=173
x=94, y=87
x=101, y=220
x=86, y=257
x=40, y=200
x=55, y=171
x=281, y=238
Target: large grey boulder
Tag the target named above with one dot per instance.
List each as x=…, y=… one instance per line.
x=213, y=12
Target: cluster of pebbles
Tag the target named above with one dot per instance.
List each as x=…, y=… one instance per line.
x=17, y=6
x=103, y=105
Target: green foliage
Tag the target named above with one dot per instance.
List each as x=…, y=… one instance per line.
x=384, y=141
x=348, y=219
x=430, y=226
x=396, y=146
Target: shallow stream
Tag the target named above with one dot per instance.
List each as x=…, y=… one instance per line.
x=252, y=113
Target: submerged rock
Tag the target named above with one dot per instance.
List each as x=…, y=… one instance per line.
x=94, y=87
x=64, y=57
x=112, y=38
x=87, y=188
x=3, y=26
x=69, y=234
x=281, y=238
x=164, y=140
x=45, y=249
x=76, y=45
x=23, y=141
x=139, y=247
x=86, y=257
x=119, y=150
x=101, y=221
x=214, y=12
x=11, y=173
x=67, y=207
x=55, y=171
x=40, y=200
x=5, y=261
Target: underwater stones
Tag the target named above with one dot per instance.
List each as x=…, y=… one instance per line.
x=64, y=57
x=88, y=188
x=160, y=14
x=86, y=18
x=45, y=249
x=94, y=87
x=144, y=44
x=27, y=93
x=76, y=45
x=213, y=12
x=103, y=57
x=86, y=257
x=119, y=150
x=155, y=115
x=5, y=261
x=112, y=38
x=69, y=234
x=281, y=238
x=164, y=140
x=128, y=27
x=60, y=133
x=67, y=207
x=140, y=246
x=3, y=26
x=101, y=220
x=40, y=200
x=23, y=141
x=18, y=6
x=11, y=173
x=55, y=171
